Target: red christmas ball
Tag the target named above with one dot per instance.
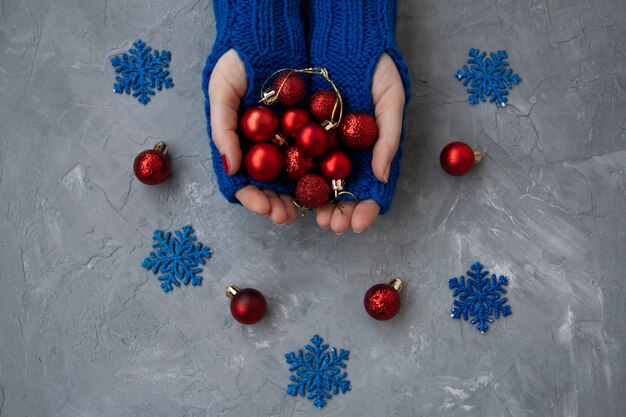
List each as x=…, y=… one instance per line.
x=293, y=89
x=336, y=166
x=358, y=131
x=297, y=164
x=259, y=124
x=312, y=191
x=152, y=166
x=264, y=162
x=312, y=139
x=458, y=158
x=321, y=104
x=293, y=120
x=382, y=301
x=247, y=306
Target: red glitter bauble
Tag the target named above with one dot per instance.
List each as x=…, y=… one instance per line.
x=247, y=306
x=152, y=166
x=458, y=158
x=264, y=162
x=259, y=124
x=321, y=104
x=293, y=120
x=382, y=301
x=312, y=191
x=336, y=166
x=293, y=90
x=297, y=164
x=312, y=139
x=358, y=131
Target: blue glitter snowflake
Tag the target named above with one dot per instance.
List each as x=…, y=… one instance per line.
x=142, y=71
x=488, y=77
x=480, y=297
x=176, y=258
x=318, y=372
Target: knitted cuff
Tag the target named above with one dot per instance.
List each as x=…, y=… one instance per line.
x=267, y=35
x=347, y=38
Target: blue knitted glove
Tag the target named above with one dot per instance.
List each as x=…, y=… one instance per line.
x=267, y=35
x=348, y=37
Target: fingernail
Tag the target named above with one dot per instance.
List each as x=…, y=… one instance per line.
x=338, y=234
x=225, y=163
x=386, y=176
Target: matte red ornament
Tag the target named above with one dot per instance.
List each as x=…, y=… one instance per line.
x=458, y=158
x=382, y=301
x=321, y=104
x=336, y=165
x=264, y=162
x=259, y=124
x=293, y=89
x=358, y=131
x=293, y=120
x=152, y=166
x=247, y=306
x=312, y=140
x=297, y=164
x=312, y=191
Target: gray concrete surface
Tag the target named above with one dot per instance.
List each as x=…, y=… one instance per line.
x=84, y=331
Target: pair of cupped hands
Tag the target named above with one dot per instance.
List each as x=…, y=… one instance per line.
x=227, y=86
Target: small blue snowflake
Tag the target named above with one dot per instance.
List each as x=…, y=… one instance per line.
x=142, y=71
x=176, y=258
x=488, y=77
x=479, y=297
x=318, y=372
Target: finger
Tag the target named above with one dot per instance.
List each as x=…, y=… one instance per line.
x=364, y=215
x=278, y=214
x=341, y=217
x=292, y=210
x=226, y=87
x=254, y=200
x=324, y=215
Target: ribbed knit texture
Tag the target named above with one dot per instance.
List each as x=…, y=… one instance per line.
x=268, y=35
x=347, y=38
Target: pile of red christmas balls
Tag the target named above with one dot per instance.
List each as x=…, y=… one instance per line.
x=303, y=144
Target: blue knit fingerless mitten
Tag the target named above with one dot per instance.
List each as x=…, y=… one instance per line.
x=267, y=35
x=347, y=38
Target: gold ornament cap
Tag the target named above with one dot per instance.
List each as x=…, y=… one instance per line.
x=231, y=291
x=161, y=146
x=478, y=156
x=396, y=284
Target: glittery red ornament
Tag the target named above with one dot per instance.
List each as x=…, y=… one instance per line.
x=312, y=139
x=312, y=191
x=382, y=301
x=336, y=165
x=264, y=162
x=358, y=131
x=293, y=120
x=247, y=306
x=321, y=104
x=458, y=158
x=152, y=166
x=293, y=89
x=259, y=124
x=297, y=164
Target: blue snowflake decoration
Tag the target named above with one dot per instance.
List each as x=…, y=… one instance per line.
x=488, y=77
x=141, y=71
x=177, y=258
x=318, y=372
x=480, y=297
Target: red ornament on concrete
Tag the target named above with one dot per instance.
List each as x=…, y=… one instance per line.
x=297, y=164
x=259, y=124
x=312, y=139
x=247, y=306
x=293, y=120
x=293, y=89
x=152, y=166
x=321, y=104
x=264, y=162
x=312, y=191
x=336, y=165
x=358, y=131
x=382, y=301
x=458, y=158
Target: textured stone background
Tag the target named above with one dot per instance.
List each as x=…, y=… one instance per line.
x=84, y=331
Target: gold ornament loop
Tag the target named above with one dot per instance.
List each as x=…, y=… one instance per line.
x=302, y=208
